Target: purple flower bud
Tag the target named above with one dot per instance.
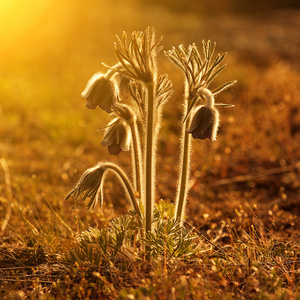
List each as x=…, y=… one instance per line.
x=101, y=92
x=204, y=123
x=117, y=136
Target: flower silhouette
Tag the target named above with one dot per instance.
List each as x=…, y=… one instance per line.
x=101, y=92
x=89, y=186
x=117, y=136
x=204, y=123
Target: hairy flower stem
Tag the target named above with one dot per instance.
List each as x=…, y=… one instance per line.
x=209, y=97
x=124, y=179
x=113, y=71
x=149, y=157
x=184, y=167
x=137, y=161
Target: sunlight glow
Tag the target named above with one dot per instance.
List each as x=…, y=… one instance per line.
x=18, y=20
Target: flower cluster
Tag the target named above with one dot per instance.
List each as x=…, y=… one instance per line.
x=199, y=73
x=133, y=93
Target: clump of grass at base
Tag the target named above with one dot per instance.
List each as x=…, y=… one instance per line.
x=253, y=265
x=133, y=93
x=124, y=241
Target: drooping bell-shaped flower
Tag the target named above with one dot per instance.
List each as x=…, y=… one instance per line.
x=117, y=136
x=101, y=91
x=89, y=186
x=204, y=123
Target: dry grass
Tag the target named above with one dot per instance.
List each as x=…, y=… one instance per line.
x=244, y=198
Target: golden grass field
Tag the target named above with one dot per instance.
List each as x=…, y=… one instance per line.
x=244, y=199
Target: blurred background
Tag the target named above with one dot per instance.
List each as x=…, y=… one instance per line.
x=50, y=48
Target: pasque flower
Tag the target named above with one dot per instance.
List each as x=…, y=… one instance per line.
x=101, y=91
x=204, y=123
x=136, y=120
x=89, y=185
x=117, y=136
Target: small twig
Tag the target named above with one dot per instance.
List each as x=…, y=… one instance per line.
x=16, y=268
x=251, y=177
x=57, y=215
x=35, y=266
x=209, y=241
x=8, y=193
x=27, y=280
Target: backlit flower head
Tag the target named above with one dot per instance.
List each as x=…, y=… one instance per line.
x=204, y=123
x=117, y=136
x=89, y=185
x=101, y=91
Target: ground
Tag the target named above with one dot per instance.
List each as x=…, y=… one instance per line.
x=243, y=202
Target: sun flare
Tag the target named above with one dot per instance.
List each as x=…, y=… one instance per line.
x=18, y=22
